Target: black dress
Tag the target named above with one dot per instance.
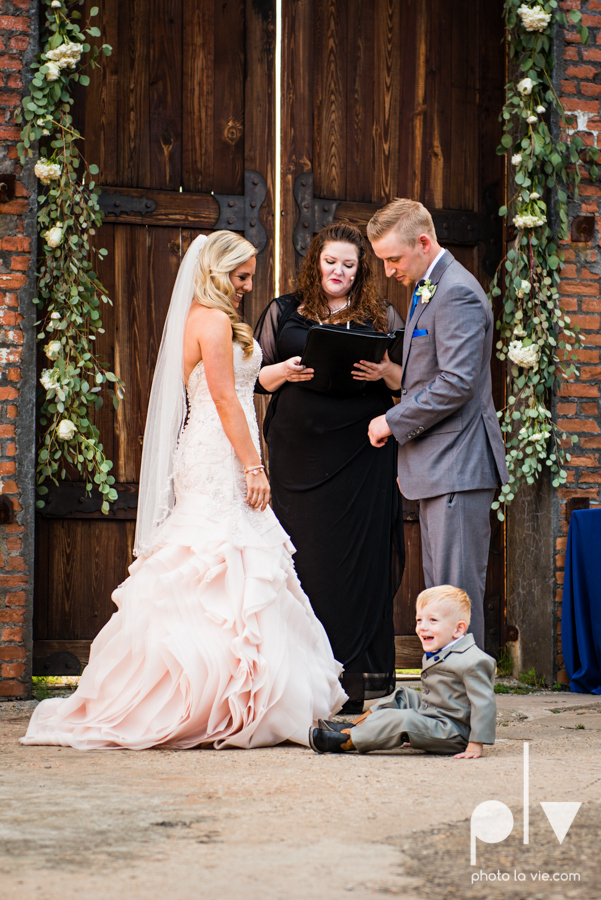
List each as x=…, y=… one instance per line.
x=338, y=499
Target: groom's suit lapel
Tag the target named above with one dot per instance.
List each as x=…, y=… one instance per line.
x=435, y=277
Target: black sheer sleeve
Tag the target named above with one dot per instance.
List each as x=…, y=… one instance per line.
x=268, y=329
x=395, y=320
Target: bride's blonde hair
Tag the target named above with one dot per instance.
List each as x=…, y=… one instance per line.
x=223, y=252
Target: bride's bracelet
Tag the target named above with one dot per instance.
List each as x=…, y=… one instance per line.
x=253, y=470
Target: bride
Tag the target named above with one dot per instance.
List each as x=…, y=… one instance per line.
x=214, y=641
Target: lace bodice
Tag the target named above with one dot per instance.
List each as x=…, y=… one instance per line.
x=205, y=462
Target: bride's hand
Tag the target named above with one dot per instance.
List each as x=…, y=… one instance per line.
x=292, y=370
x=258, y=490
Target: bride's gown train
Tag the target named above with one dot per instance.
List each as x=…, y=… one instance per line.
x=214, y=640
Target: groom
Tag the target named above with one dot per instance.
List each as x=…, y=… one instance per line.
x=451, y=455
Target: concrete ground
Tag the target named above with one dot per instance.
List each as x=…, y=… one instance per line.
x=287, y=824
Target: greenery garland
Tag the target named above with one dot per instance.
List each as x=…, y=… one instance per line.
x=537, y=337
x=69, y=291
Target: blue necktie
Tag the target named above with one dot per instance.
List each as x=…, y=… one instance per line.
x=415, y=299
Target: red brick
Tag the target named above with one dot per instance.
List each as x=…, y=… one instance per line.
x=587, y=461
x=591, y=322
x=13, y=615
x=12, y=653
x=585, y=355
x=588, y=339
x=560, y=560
x=586, y=273
x=570, y=304
x=12, y=689
x=19, y=43
x=591, y=493
x=591, y=21
x=582, y=287
x=587, y=372
x=591, y=304
x=581, y=71
x=569, y=271
x=567, y=409
x=13, y=281
x=12, y=670
x=8, y=393
x=7, y=468
x=571, y=37
x=11, y=413
x=13, y=634
x=589, y=409
x=14, y=81
x=590, y=478
x=586, y=88
x=14, y=375
x=11, y=449
x=14, y=543
x=594, y=4
x=590, y=207
x=568, y=87
x=589, y=189
x=575, y=425
x=593, y=443
x=20, y=263
x=570, y=53
x=561, y=543
x=14, y=23
x=16, y=242
x=13, y=529
x=579, y=390
x=571, y=105
x=16, y=564
x=587, y=53
x=12, y=581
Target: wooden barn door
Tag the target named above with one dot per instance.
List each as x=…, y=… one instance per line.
x=182, y=110
x=398, y=98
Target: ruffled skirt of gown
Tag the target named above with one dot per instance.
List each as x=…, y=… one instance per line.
x=214, y=642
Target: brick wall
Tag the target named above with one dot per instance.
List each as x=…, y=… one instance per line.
x=18, y=41
x=578, y=406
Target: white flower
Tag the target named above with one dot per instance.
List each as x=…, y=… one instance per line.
x=528, y=221
x=55, y=315
x=54, y=235
x=516, y=159
x=55, y=4
x=531, y=120
x=525, y=86
x=425, y=295
x=45, y=131
x=518, y=332
x=526, y=286
x=66, y=429
x=47, y=171
x=426, y=291
x=534, y=196
x=539, y=436
x=534, y=18
x=53, y=71
x=65, y=56
x=53, y=349
x=541, y=109
x=526, y=357
x=49, y=380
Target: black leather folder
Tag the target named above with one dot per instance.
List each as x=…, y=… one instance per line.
x=333, y=352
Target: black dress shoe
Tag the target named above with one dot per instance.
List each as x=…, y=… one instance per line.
x=323, y=741
x=326, y=725
x=352, y=708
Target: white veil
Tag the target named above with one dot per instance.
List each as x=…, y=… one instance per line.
x=166, y=410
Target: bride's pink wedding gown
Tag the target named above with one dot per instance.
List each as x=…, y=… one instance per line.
x=214, y=641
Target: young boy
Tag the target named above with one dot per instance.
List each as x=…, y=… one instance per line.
x=455, y=711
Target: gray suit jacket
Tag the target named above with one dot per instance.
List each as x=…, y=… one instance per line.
x=458, y=684
x=446, y=426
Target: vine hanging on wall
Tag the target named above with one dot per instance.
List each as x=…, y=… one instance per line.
x=69, y=293
x=537, y=337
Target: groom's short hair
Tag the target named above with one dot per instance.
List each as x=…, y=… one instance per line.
x=449, y=596
x=407, y=218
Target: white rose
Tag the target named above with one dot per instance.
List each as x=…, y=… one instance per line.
x=53, y=349
x=65, y=56
x=47, y=171
x=527, y=221
x=539, y=436
x=534, y=18
x=425, y=295
x=518, y=332
x=541, y=109
x=534, y=195
x=55, y=4
x=526, y=357
x=53, y=71
x=525, y=86
x=516, y=159
x=49, y=381
x=54, y=235
x=45, y=131
x=66, y=429
x=526, y=286
x=531, y=120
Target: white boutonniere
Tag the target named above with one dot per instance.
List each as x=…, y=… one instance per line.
x=426, y=291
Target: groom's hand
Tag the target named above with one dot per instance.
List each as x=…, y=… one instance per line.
x=378, y=431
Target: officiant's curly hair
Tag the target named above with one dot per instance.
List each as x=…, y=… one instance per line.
x=365, y=302
x=223, y=252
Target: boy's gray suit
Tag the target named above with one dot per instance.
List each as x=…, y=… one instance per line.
x=456, y=705
x=451, y=453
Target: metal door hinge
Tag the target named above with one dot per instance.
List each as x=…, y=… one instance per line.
x=242, y=213
x=314, y=214
x=116, y=203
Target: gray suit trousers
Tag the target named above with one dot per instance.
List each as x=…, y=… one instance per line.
x=455, y=534
x=396, y=720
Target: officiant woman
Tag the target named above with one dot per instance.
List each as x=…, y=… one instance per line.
x=334, y=493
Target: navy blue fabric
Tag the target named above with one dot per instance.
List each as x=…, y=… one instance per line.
x=581, y=608
x=419, y=332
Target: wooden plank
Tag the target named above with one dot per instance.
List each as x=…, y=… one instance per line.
x=104, y=418
x=413, y=581
x=463, y=169
x=387, y=130
x=409, y=651
x=259, y=139
x=133, y=81
x=80, y=649
x=164, y=256
x=165, y=94
x=330, y=153
x=172, y=209
x=360, y=100
x=228, y=87
x=41, y=579
x=297, y=124
x=198, y=96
